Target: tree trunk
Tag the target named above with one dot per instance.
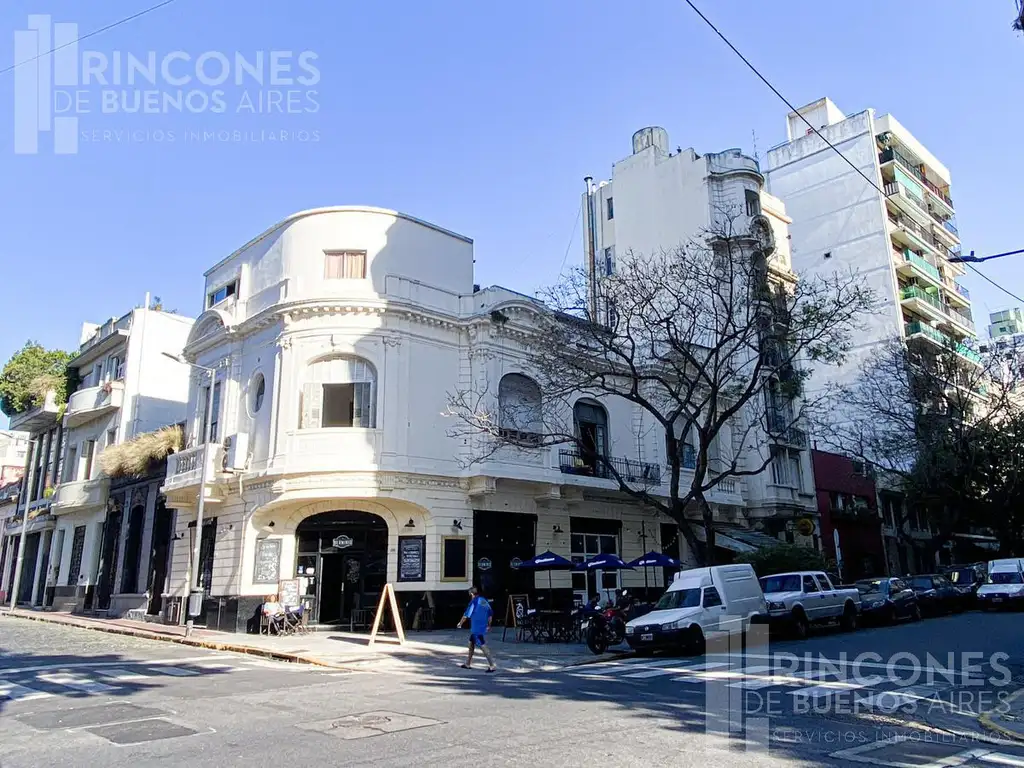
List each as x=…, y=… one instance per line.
x=709, y=529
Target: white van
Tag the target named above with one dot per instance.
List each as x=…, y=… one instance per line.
x=1004, y=587
x=698, y=603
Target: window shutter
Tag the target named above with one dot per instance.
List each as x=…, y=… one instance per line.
x=361, y=416
x=312, y=405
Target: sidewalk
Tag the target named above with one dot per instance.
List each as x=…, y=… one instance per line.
x=341, y=650
x=1008, y=720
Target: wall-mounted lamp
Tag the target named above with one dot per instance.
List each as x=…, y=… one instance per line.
x=270, y=524
x=411, y=523
x=457, y=524
x=557, y=529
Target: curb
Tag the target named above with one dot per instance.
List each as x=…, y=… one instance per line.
x=989, y=724
x=213, y=645
x=207, y=644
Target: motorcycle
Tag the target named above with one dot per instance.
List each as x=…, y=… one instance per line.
x=604, y=628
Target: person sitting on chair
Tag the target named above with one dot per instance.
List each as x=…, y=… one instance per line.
x=275, y=614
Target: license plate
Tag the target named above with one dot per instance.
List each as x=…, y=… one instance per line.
x=997, y=599
x=646, y=638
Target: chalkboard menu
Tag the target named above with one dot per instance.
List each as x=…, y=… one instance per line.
x=267, y=569
x=412, y=564
x=288, y=593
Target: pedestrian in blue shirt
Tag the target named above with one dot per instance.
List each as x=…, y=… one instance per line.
x=479, y=614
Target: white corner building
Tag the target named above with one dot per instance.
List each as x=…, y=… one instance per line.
x=658, y=200
x=336, y=336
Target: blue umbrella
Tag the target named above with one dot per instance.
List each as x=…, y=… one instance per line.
x=548, y=561
x=604, y=563
x=654, y=560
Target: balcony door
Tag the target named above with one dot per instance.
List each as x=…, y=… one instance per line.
x=592, y=434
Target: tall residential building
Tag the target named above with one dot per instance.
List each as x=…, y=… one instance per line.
x=658, y=200
x=13, y=455
x=1006, y=324
x=899, y=240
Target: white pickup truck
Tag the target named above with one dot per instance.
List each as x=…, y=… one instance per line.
x=803, y=598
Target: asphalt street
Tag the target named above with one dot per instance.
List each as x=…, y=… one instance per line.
x=72, y=697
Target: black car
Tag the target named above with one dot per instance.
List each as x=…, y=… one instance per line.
x=966, y=579
x=884, y=601
x=936, y=594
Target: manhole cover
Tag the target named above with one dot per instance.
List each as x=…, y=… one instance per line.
x=367, y=724
x=142, y=731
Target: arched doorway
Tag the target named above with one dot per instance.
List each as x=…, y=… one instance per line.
x=344, y=557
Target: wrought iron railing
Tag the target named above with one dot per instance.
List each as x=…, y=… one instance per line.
x=593, y=465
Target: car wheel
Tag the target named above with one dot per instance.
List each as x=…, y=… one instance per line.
x=695, y=642
x=848, y=622
x=801, y=626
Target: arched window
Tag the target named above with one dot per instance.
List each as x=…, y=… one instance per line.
x=257, y=391
x=339, y=392
x=519, y=405
x=591, y=433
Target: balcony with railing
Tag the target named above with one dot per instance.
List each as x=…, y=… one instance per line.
x=921, y=329
x=962, y=320
x=914, y=296
x=80, y=495
x=908, y=201
x=965, y=351
x=893, y=154
x=92, y=402
x=911, y=235
x=607, y=467
x=918, y=265
x=185, y=468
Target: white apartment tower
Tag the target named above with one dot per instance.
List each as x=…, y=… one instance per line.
x=658, y=200
x=899, y=240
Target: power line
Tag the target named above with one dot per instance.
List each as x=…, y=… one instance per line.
x=997, y=285
x=832, y=146
x=86, y=36
x=572, y=238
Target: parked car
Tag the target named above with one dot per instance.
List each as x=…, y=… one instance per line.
x=936, y=594
x=884, y=601
x=699, y=603
x=1004, y=587
x=967, y=579
x=798, y=600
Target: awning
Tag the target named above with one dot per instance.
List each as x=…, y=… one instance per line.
x=734, y=538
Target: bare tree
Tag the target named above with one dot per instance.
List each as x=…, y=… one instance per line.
x=1018, y=21
x=923, y=415
x=710, y=344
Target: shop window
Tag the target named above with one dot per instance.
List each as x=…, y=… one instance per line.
x=454, y=558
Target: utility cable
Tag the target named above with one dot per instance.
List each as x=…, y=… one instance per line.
x=832, y=146
x=87, y=35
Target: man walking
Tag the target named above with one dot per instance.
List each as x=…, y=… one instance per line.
x=479, y=614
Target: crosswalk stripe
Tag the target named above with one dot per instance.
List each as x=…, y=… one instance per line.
x=175, y=671
x=824, y=690
x=76, y=683
x=15, y=692
x=122, y=675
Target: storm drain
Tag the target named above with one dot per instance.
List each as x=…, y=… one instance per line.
x=367, y=724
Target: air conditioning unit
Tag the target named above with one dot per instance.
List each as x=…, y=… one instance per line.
x=237, y=456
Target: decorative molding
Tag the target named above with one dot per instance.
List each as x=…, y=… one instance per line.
x=392, y=340
x=550, y=493
x=482, y=486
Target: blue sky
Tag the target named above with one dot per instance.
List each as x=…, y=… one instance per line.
x=483, y=118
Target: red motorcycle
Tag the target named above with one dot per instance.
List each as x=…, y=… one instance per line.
x=606, y=627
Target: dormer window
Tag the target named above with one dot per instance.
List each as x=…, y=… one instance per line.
x=223, y=293
x=344, y=265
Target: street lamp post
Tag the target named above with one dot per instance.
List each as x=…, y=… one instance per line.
x=195, y=593
x=20, y=561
